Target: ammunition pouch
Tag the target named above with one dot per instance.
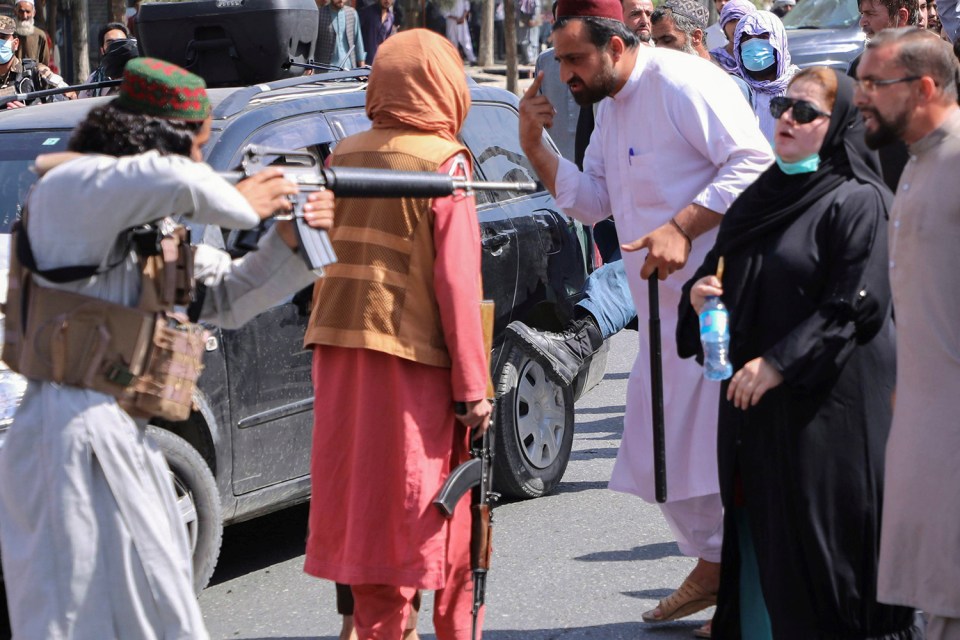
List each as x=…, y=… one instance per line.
x=148, y=358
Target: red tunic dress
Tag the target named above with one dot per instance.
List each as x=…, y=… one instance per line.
x=385, y=437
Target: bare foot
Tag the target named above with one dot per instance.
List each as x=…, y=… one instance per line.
x=707, y=575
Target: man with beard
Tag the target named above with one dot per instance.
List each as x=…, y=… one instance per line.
x=907, y=90
x=636, y=15
x=875, y=16
x=681, y=25
x=23, y=76
x=34, y=41
x=699, y=128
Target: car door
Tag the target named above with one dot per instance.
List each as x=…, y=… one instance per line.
x=270, y=388
x=546, y=247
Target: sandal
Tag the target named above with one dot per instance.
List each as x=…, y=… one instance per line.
x=706, y=631
x=685, y=601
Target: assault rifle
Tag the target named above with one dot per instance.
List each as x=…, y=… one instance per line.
x=476, y=475
x=349, y=182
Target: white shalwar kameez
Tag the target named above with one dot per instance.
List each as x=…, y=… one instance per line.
x=678, y=132
x=93, y=544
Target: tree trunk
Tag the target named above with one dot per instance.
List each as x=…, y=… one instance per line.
x=81, y=48
x=485, y=55
x=413, y=13
x=118, y=13
x=510, y=38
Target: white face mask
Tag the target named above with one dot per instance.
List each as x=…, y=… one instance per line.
x=6, y=50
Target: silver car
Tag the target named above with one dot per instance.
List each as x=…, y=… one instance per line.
x=824, y=32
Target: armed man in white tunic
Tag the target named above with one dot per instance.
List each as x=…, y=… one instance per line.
x=93, y=544
x=672, y=148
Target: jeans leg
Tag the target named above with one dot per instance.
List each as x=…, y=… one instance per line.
x=608, y=299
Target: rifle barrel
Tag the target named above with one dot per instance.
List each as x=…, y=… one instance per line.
x=45, y=93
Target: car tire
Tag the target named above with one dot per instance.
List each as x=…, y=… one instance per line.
x=198, y=502
x=534, y=422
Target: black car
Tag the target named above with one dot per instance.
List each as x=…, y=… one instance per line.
x=245, y=450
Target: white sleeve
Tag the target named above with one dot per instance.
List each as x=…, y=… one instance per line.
x=583, y=195
x=237, y=290
x=715, y=120
x=146, y=187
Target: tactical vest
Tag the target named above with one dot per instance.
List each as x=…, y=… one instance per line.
x=379, y=295
x=148, y=357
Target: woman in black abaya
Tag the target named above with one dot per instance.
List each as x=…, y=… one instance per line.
x=804, y=420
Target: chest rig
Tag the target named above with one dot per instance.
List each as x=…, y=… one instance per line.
x=148, y=357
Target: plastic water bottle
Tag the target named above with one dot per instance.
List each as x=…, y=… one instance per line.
x=715, y=338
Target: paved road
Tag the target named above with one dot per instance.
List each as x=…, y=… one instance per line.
x=581, y=563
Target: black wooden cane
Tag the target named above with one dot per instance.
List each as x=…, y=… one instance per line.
x=656, y=388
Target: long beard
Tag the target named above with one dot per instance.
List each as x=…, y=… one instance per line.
x=25, y=27
x=887, y=131
x=604, y=84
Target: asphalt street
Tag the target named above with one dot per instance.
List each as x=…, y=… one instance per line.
x=583, y=562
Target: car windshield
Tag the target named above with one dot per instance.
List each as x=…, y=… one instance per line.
x=18, y=149
x=822, y=14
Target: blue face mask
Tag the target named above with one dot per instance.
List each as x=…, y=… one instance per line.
x=807, y=165
x=6, y=50
x=757, y=54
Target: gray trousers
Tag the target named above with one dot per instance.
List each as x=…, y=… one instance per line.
x=943, y=628
x=93, y=545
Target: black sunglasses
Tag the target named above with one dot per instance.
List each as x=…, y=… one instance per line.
x=803, y=111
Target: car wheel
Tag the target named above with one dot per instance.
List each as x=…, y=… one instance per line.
x=198, y=502
x=534, y=421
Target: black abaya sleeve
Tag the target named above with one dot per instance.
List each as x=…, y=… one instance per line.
x=688, y=322
x=856, y=299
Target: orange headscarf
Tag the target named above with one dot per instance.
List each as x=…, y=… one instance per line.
x=417, y=81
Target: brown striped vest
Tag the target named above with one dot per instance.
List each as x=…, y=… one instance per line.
x=379, y=294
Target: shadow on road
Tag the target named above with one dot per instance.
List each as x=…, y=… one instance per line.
x=580, y=485
x=275, y=537
x=617, y=410
x=613, y=631
x=654, y=551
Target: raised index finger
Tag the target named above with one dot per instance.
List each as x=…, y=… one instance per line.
x=534, y=86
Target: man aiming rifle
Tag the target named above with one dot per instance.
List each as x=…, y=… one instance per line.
x=90, y=528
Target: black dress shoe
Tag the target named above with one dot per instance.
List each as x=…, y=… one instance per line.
x=565, y=352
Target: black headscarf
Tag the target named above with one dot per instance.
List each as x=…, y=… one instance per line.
x=777, y=199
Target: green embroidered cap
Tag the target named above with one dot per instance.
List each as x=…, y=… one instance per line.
x=157, y=88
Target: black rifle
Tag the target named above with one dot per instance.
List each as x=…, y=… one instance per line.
x=476, y=475
x=349, y=182
x=56, y=91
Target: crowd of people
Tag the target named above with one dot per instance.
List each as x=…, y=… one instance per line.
x=816, y=488
x=808, y=443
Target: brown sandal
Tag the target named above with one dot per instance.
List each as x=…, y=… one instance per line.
x=685, y=601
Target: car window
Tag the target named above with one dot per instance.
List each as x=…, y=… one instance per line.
x=18, y=149
x=310, y=132
x=822, y=14
x=490, y=132
x=347, y=123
